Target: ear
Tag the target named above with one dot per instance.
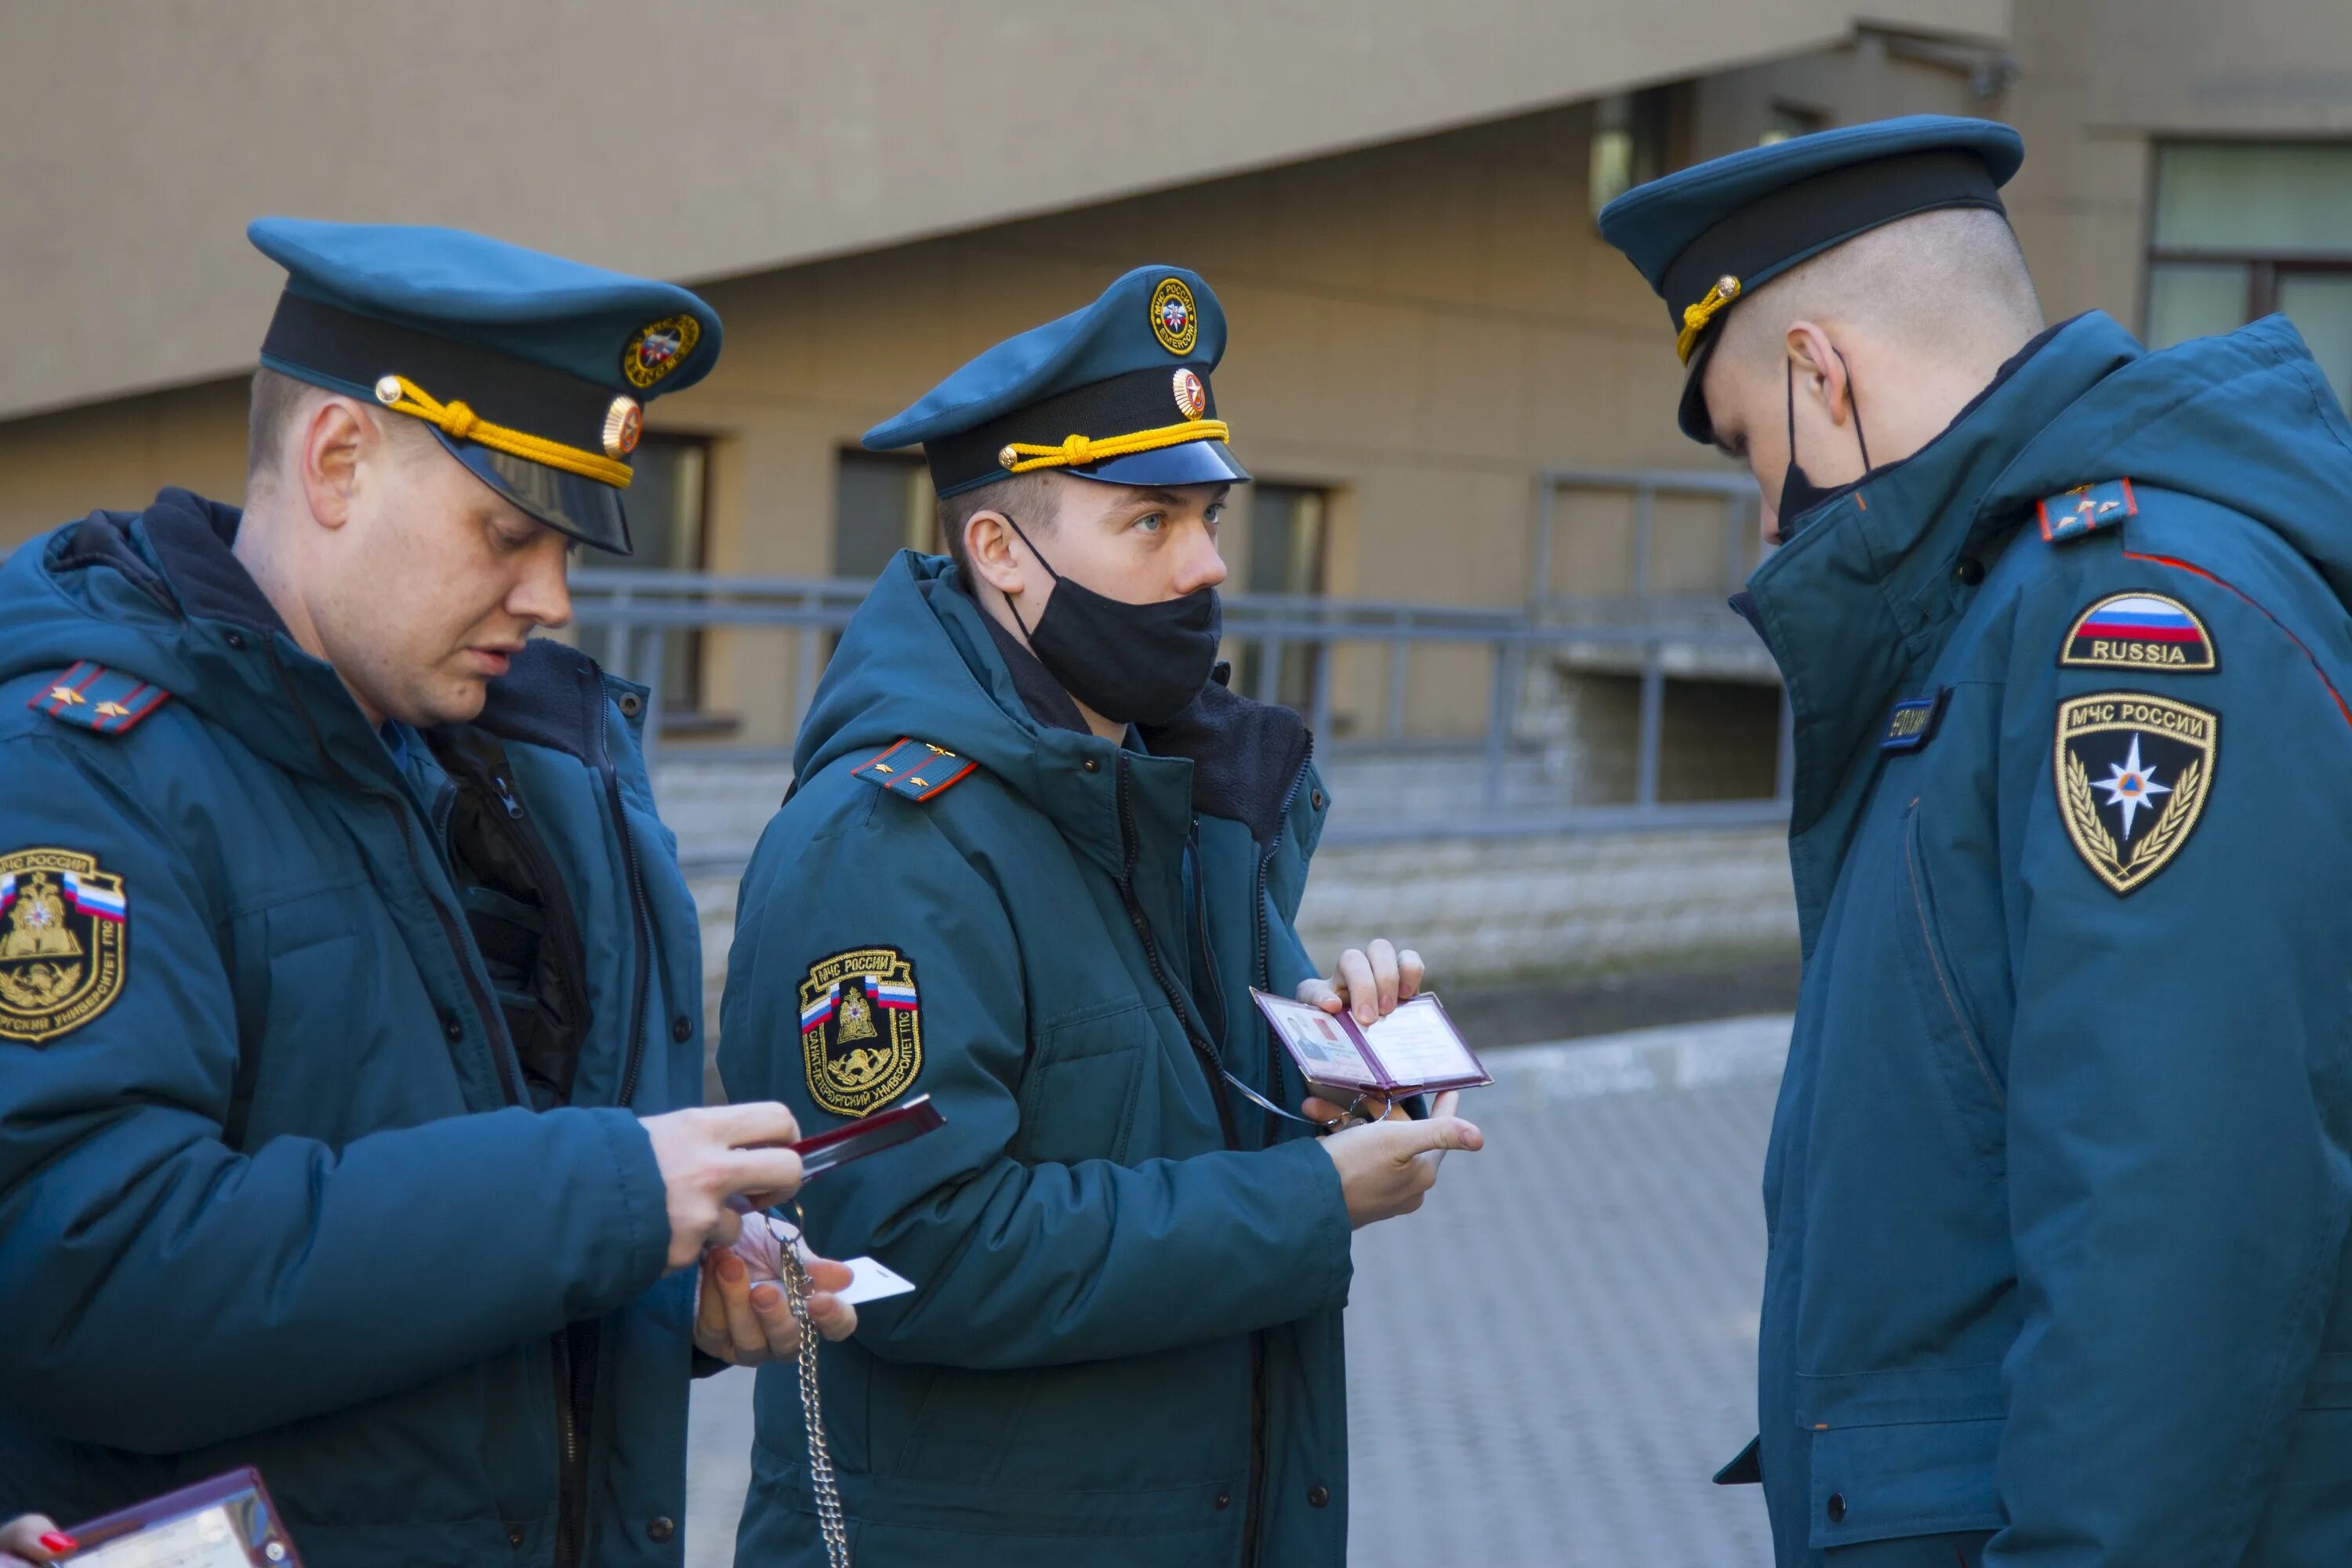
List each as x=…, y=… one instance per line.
x=988, y=544
x=328, y=452
x=1820, y=369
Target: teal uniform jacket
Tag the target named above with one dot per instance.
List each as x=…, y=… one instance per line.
x=279, y=1195
x=1125, y=1342
x=2059, y=1178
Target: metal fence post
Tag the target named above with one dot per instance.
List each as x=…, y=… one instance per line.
x=658, y=641
x=1318, y=718
x=1653, y=719
x=1400, y=650
x=1498, y=719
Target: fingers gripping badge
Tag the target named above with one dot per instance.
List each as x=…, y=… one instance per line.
x=61, y=928
x=2133, y=773
x=861, y=1029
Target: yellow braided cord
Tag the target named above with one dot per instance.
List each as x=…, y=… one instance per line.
x=1080, y=451
x=457, y=420
x=1696, y=317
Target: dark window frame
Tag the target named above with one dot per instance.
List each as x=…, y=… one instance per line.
x=2264, y=267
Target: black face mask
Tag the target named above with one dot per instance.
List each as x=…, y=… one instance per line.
x=1799, y=494
x=1133, y=664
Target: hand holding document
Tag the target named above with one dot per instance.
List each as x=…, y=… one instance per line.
x=1414, y=1051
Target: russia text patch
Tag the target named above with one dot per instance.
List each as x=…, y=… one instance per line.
x=2141, y=631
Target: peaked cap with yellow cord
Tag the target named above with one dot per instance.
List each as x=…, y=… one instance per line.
x=1117, y=392
x=532, y=370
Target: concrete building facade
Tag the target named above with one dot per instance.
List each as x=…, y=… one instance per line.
x=1395, y=206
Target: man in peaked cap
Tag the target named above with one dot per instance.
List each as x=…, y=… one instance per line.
x=2058, y=1187
x=349, y=1034
x=1034, y=858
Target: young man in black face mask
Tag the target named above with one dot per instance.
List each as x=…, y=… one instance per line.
x=1035, y=860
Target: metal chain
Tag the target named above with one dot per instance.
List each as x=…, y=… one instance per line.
x=797, y=1286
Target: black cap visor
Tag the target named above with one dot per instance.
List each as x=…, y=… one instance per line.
x=586, y=509
x=1207, y=462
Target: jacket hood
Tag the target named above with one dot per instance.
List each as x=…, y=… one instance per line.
x=2245, y=420
x=918, y=660
x=159, y=596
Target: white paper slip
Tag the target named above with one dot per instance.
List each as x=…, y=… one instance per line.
x=872, y=1281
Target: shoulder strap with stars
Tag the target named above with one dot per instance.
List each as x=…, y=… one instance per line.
x=916, y=769
x=97, y=697
x=2085, y=509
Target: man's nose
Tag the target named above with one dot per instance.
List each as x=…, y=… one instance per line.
x=1201, y=567
x=543, y=597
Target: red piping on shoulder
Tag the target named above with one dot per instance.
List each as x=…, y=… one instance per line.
x=2224, y=582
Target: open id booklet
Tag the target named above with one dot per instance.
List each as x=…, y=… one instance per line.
x=1414, y=1051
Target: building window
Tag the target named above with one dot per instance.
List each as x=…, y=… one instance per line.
x=1789, y=121
x=2243, y=228
x=667, y=502
x=881, y=504
x=1631, y=133
x=1289, y=527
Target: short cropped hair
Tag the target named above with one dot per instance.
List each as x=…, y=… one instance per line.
x=1027, y=499
x=1938, y=279
x=279, y=405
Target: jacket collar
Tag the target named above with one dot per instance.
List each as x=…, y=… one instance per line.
x=1866, y=595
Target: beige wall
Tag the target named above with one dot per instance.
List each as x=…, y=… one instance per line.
x=714, y=139
x=1421, y=326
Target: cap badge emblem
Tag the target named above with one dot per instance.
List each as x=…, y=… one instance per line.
x=625, y=422
x=1173, y=319
x=659, y=348
x=1191, y=397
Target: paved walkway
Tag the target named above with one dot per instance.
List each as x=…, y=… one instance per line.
x=1569, y=1327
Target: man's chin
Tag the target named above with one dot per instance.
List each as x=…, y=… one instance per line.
x=459, y=701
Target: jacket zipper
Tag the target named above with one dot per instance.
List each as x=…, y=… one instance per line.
x=1211, y=1070
x=1264, y=970
x=570, y=1489
x=640, y=929
x=574, y=1345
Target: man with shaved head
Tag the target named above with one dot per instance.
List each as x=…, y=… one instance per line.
x=2058, y=1186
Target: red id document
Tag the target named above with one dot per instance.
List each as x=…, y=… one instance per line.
x=229, y=1521
x=1414, y=1051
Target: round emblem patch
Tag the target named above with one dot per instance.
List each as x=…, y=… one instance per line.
x=1173, y=319
x=625, y=423
x=61, y=927
x=659, y=348
x=1191, y=397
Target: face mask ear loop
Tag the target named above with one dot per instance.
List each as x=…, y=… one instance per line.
x=1788, y=381
x=1851, y=402
x=1026, y=635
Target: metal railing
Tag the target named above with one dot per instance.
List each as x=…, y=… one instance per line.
x=637, y=615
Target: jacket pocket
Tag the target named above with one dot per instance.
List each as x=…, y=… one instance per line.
x=1903, y=1453
x=1078, y=1100
x=1979, y=1097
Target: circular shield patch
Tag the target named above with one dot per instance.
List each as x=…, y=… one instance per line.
x=61, y=927
x=1173, y=319
x=625, y=423
x=861, y=1030
x=659, y=348
x=1191, y=397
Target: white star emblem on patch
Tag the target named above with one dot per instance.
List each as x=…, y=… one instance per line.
x=2131, y=784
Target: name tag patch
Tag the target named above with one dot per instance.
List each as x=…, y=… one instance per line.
x=2141, y=631
x=1911, y=725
